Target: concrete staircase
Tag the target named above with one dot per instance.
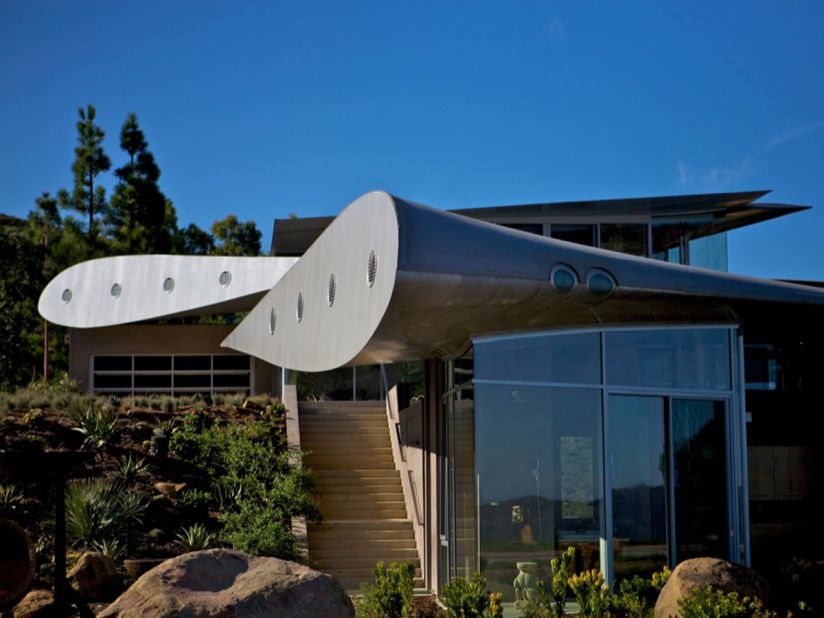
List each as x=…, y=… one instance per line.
x=360, y=493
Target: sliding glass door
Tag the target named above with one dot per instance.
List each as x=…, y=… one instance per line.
x=668, y=472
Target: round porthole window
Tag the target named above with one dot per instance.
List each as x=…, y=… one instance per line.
x=169, y=284
x=600, y=283
x=116, y=290
x=225, y=278
x=273, y=320
x=371, y=268
x=330, y=290
x=563, y=278
x=299, y=308
x=66, y=296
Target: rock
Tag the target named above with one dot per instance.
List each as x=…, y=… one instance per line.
x=170, y=490
x=94, y=576
x=702, y=572
x=36, y=604
x=223, y=582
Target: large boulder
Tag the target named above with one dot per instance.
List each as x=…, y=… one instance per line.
x=703, y=572
x=222, y=582
x=94, y=576
x=36, y=604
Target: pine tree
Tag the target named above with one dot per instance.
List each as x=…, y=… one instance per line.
x=89, y=161
x=138, y=214
x=234, y=237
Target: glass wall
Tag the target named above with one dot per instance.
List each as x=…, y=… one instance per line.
x=547, y=407
x=639, y=489
x=709, y=252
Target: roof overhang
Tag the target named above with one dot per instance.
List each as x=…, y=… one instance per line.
x=84, y=296
x=443, y=278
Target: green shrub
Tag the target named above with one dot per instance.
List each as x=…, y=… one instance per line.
x=130, y=467
x=194, y=538
x=196, y=501
x=10, y=495
x=98, y=425
x=98, y=511
x=60, y=383
x=390, y=595
x=709, y=602
x=167, y=405
x=636, y=597
x=112, y=548
x=252, y=482
x=591, y=592
x=470, y=599
x=198, y=420
x=141, y=402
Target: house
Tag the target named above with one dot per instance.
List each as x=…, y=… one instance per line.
x=591, y=376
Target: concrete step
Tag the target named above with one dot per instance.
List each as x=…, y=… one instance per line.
x=365, y=527
x=344, y=431
x=350, y=450
x=346, y=482
x=324, y=406
x=371, y=555
x=315, y=442
x=349, y=460
x=341, y=510
x=361, y=473
x=373, y=494
x=330, y=544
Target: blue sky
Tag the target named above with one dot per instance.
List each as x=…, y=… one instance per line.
x=266, y=108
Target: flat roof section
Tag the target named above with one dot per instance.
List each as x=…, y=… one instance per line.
x=712, y=213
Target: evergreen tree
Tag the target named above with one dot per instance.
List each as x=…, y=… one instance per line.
x=233, y=237
x=194, y=241
x=21, y=280
x=89, y=161
x=139, y=212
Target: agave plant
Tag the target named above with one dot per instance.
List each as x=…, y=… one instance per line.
x=194, y=538
x=100, y=510
x=10, y=495
x=131, y=467
x=98, y=425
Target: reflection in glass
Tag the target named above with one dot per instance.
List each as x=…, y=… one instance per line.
x=709, y=252
x=625, y=237
x=700, y=485
x=687, y=358
x=638, y=464
x=572, y=359
x=538, y=460
x=580, y=234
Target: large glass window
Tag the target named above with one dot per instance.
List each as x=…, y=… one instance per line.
x=539, y=405
x=681, y=358
x=709, y=252
x=538, y=461
x=637, y=439
x=177, y=375
x=573, y=358
x=579, y=233
x=625, y=237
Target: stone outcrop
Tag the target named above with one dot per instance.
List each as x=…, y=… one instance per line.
x=222, y=582
x=36, y=604
x=94, y=576
x=703, y=572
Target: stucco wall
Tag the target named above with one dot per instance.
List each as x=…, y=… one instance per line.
x=156, y=339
